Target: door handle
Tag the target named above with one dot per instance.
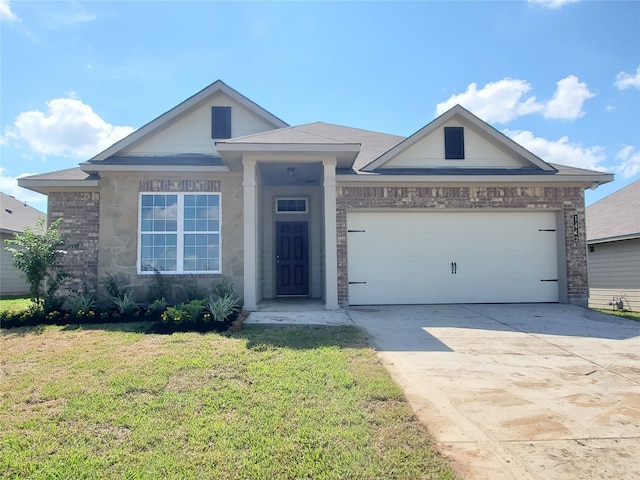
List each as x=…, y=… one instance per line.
x=454, y=268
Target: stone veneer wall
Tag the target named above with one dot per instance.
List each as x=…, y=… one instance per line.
x=119, y=229
x=81, y=225
x=567, y=199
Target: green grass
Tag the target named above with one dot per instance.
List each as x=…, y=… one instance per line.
x=13, y=303
x=107, y=401
x=630, y=315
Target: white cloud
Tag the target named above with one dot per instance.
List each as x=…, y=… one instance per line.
x=6, y=13
x=9, y=185
x=568, y=100
x=75, y=14
x=560, y=151
x=500, y=101
x=630, y=165
x=505, y=100
x=69, y=127
x=626, y=80
x=552, y=4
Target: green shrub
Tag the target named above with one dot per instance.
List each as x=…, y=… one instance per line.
x=223, y=307
x=82, y=302
x=188, y=312
x=223, y=287
x=110, y=284
x=125, y=304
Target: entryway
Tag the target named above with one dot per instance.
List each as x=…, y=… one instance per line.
x=292, y=259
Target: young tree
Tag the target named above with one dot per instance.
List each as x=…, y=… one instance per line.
x=37, y=255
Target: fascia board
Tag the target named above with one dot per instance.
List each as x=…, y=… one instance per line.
x=45, y=186
x=629, y=236
x=96, y=168
x=585, y=180
x=288, y=147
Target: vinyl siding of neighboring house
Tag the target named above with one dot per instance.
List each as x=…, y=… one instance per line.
x=614, y=273
x=14, y=217
x=12, y=282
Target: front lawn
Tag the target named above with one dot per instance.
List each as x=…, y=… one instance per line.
x=107, y=401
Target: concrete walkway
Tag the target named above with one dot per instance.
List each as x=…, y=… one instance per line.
x=518, y=391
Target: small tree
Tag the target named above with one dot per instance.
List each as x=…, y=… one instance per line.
x=37, y=255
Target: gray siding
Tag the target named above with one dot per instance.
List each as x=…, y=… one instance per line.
x=614, y=271
x=12, y=281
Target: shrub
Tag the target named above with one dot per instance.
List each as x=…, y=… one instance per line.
x=222, y=288
x=82, y=302
x=188, y=312
x=125, y=304
x=37, y=254
x=110, y=284
x=223, y=307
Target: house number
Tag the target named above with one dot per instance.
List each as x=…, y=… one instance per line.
x=575, y=229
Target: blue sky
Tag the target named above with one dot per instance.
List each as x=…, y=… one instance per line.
x=560, y=77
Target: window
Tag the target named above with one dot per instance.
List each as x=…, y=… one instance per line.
x=220, y=122
x=454, y=143
x=179, y=233
x=291, y=205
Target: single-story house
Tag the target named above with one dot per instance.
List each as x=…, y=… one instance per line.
x=14, y=217
x=613, y=238
x=455, y=213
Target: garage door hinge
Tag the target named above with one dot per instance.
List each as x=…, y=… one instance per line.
x=546, y=229
x=355, y=231
x=549, y=280
x=357, y=283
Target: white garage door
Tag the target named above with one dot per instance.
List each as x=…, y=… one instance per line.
x=455, y=257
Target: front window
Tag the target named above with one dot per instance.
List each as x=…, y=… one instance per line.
x=179, y=233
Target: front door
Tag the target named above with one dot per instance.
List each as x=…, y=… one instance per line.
x=292, y=258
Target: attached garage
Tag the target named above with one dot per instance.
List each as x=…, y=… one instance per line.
x=409, y=257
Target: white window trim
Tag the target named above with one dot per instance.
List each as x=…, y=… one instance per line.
x=180, y=236
x=306, y=205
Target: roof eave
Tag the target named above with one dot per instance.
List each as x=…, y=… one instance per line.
x=45, y=186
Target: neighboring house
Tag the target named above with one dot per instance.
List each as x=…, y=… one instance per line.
x=613, y=236
x=14, y=217
x=455, y=213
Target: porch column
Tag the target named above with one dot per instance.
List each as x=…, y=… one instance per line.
x=330, y=240
x=249, y=228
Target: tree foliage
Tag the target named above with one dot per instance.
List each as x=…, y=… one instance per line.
x=37, y=254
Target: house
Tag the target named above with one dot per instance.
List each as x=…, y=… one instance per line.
x=613, y=238
x=14, y=217
x=455, y=213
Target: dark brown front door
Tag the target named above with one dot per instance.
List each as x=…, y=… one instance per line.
x=292, y=258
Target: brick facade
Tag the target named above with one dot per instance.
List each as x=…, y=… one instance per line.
x=81, y=224
x=568, y=200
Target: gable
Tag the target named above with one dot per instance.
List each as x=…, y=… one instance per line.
x=191, y=132
x=429, y=152
x=483, y=148
x=187, y=127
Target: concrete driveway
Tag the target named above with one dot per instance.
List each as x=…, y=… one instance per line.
x=518, y=391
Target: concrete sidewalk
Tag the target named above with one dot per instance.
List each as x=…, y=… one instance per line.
x=518, y=391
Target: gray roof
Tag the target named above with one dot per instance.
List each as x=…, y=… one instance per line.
x=372, y=144
x=15, y=215
x=180, y=159
x=616, y=216
x=69, y=174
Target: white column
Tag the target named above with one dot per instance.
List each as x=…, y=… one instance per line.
x=330, y=240
x=249, y=247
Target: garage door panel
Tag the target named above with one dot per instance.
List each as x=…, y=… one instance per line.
x=406, y=257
